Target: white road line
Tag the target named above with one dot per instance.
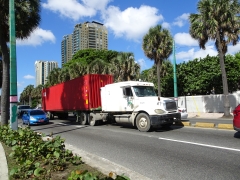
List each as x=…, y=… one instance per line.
x=199, y=144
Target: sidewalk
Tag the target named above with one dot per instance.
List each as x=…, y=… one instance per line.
x=208, y=115
x=4, y=167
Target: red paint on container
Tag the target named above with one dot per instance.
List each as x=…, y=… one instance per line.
x=82, y=93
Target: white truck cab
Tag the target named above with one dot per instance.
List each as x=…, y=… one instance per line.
x=136, y=102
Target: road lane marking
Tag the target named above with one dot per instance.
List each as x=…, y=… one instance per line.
x=199, y=144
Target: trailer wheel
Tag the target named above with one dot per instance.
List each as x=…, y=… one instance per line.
x=84, y=118
x=50, y=115
x=143, y=122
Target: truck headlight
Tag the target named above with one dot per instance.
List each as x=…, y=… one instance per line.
x=159, y=111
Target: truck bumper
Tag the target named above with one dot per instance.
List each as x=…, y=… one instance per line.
x=157, y=120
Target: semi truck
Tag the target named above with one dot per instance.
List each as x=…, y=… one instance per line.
x=96, y=98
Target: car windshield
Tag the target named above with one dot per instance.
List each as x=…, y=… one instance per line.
x=24, y=107
x=143, y=91
x=37, y=112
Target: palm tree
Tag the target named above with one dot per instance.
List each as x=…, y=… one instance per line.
x=53, y=77
x=157, y=46
x=77, y=69
x=124, y=68
x=37, y=93
x=27, y=19
x=64, y=74
x=29, y=90
x=99, y=66
x=217, y=20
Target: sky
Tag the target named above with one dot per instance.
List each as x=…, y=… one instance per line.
x=127, y=22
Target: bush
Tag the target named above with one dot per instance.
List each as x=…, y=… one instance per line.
x=38, y=159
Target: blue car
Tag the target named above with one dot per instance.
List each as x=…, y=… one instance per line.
x=34, y=116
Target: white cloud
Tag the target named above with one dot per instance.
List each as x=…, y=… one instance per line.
x=37, y=37
x=192, y=53
x=142, y=63
x=131, y=23
x=166, y=25
x=96, y=4
x=181, y=20
x=28, y=77
x=233, y=49
x=73, y=9
x=185, y=39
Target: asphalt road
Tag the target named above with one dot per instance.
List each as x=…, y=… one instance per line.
x=177, y=153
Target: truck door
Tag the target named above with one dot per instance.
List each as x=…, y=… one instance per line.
x=128, y=99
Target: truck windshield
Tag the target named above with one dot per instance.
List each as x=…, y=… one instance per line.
x=142, y=91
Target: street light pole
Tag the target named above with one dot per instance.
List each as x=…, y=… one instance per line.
x=13, y=67
x=175, y=75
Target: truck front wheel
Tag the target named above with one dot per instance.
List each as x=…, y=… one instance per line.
x=143, y=122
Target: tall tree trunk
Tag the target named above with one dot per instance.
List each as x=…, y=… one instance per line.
x=5, y=81
x=30, y=101
x=224, y=77
x=159, y=78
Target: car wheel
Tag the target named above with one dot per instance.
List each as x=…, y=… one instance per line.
x=28, y=123
x=23, y=122
x=143, y=122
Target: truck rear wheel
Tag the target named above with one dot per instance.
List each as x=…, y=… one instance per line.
x=94, y=119
x=84, y=118
x=143, y=122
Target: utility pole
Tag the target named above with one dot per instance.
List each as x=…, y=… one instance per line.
x=175, y=75
x=13, y=67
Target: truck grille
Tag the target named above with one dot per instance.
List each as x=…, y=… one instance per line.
x=171, y=105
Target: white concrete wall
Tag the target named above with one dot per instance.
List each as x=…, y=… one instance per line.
x=208, y=103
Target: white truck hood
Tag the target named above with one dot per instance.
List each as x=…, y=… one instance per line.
x=149, y=104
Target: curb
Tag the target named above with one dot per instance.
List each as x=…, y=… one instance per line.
x=104, y=165
x=206, y=125
x=225, y=126
x=3, y=164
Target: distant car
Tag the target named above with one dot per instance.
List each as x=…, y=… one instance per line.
x=21, y=109
x=236, y=118
x=34, y=116
x=183, y=111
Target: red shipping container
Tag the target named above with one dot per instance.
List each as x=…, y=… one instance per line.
x=82, y=93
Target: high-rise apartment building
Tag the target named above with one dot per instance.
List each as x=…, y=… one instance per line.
x=88, y=35
x=66, y=48
x=42, y=70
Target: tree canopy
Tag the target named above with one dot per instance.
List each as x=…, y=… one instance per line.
x=157, y=46
x=217, y=20
x=27, y=18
